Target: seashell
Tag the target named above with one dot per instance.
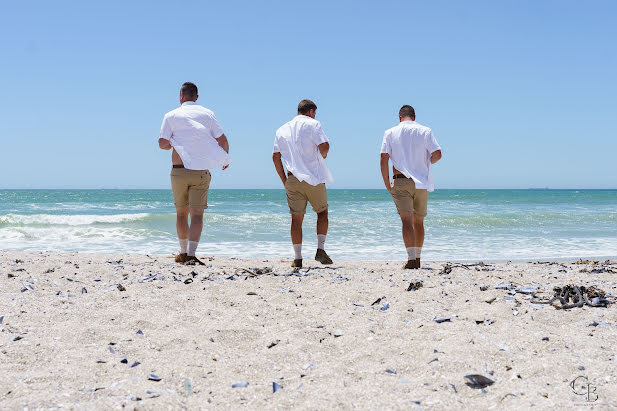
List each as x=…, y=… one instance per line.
x=478, y=381
x=276, y=387
x=240, y=384
x=154, y=377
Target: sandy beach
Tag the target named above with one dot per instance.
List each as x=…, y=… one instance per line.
x=89, y=330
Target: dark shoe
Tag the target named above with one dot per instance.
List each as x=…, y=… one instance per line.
x=181, y=258
x=192, y=260
x=297, y=263
x=411, y=265
x=417, y=263
x=322, y=257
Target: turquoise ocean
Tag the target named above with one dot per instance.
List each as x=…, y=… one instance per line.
x=462, y=225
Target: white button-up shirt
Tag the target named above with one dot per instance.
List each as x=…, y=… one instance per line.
x=410, y=146
x=192, y=130
x=297, y=141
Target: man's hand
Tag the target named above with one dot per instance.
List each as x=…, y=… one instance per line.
x=225, y=167
x=323, y=149
x=435, y=156
x=278, y=165
x=385, y=172
x=164, y=144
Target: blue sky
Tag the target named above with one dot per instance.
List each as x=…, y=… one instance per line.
x=519, y=94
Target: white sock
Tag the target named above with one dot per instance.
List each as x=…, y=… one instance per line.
x=418, y=252
x=321, y=241
x=411, y=253
x=184, y=243
x=298, y=251
x=192, y=248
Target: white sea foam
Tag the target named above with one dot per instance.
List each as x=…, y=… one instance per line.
x=72, y=219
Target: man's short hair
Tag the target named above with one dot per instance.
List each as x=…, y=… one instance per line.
x=407, y=111
x=189, y=91
x=305, y=106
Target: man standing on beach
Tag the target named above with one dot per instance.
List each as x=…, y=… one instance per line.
x=412, y=149
x=198, y=144
x=302, y=145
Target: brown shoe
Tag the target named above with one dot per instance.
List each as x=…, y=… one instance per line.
x=181, y=258
x=417, y=263
x=192, y=260
x=297, y=263
x=322, y=257
x=411, y=265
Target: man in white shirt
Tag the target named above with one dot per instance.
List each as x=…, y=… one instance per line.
x=198, y=144
x=302, y=145
x=412, y=149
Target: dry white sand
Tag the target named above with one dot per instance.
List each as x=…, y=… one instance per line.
x=202, y=337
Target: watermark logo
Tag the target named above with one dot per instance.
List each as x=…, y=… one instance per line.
x=581, y=386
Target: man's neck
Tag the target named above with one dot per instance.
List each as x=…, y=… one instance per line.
x=406, y=119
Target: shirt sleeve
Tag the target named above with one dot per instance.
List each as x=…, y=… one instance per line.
x=431, y=143
x=386, y=148
x=318, y=135
x=276, y=148
x=166, y=132
x=215, y=128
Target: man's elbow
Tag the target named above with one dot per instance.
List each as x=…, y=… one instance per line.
x=164, y=144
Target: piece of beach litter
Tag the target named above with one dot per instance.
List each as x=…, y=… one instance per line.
x=477, y=381
x=139, y=332
x=121, y=287
x=385, y=307
x=135, y=364
x=154, y=377
x=188, y=387
x=442, y=320
x=390, y=371
x=526, y=290
x=338, y=333
x=240, y=384
x=413, y=286
x=276, y=387
x=377, y=301
x=504, y=286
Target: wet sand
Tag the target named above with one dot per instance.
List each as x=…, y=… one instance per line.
x=66, y=327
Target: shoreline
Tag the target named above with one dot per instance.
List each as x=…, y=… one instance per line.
x=319, y=335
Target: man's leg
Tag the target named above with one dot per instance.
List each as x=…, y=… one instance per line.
x=296, y=238
x=197, y=223
x=418, y=231
x=322, y=231
x=182, y=228
x=198, y=202
x=408, y=238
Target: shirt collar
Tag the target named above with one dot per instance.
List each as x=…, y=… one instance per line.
x=189, y=103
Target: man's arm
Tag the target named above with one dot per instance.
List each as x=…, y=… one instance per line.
x=164, y=144
x=435, y=156
x=278, y=165
x=385, y=171
x=222, y=140
x=323, y=149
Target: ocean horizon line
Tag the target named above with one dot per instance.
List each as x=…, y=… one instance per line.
x=282, y=189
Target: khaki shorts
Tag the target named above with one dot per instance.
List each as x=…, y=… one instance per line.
x=190, y=187
x=408, y=198
x=299, y=192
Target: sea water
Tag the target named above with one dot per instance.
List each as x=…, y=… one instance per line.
x=462, y=225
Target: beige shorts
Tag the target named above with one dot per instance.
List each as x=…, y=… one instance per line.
x=408, y=198
x=190, y=187
x=299, y=192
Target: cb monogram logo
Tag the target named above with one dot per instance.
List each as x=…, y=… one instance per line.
x=581, y=386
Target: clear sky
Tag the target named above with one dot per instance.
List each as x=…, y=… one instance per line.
x=518, y=93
